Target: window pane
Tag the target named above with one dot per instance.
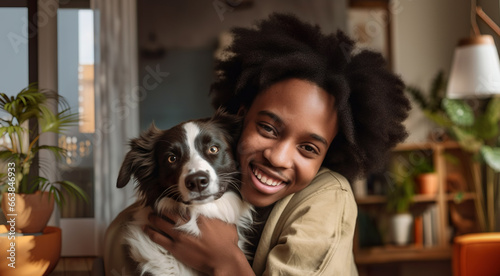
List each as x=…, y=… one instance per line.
x=13, y=50
x=76, y=84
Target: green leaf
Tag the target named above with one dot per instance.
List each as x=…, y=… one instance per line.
x=466, y=139
x=438, y=88
x=492, y=157
x=486, y=126
x=73, y=189
x=493, y=109
x=418, y=96
x=400, y=195
x=458, y=197
x=57, y=122
x=459, y=112
x=439, y=118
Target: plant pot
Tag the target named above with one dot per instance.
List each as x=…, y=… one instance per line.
x=427, y=183
x=401, y=225
x=34, y=255
x=31, y=212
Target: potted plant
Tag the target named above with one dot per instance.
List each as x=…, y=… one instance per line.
x=399, y=199
x=426, y=178
x=17, y=153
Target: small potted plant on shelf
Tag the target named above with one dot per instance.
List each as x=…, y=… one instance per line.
x=32, y=200
x=399, y=199
x=426, y=178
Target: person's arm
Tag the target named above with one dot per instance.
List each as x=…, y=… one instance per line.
x=214, y=252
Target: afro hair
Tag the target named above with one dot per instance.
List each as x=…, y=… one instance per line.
x=369, y=98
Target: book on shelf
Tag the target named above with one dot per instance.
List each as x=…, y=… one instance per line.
x=418, y=231
x=429, y=226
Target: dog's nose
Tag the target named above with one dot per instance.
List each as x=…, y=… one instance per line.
x=197, y=181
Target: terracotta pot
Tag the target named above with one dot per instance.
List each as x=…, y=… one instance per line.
x=428, y=183
x=31, y=255
x=31, y=212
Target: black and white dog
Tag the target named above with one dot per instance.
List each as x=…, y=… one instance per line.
x=187, y=169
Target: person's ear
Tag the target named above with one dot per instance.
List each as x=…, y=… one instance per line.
x=242, y=111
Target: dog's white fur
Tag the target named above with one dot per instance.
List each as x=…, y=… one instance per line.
x=153, y=258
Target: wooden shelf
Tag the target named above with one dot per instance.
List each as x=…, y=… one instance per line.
x=373, y=205
x=388, y=254
x=427, y=146
x=466, y=196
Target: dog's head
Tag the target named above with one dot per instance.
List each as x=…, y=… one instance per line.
x=190, y=163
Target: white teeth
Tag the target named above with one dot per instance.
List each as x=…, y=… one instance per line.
x=265, y=180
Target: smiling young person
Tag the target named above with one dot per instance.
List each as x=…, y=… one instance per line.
x=315, y=116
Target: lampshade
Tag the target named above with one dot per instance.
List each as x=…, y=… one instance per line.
x=475, y=71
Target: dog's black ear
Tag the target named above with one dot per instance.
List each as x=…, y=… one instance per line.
x=126, y=170
x=230, y=123
x=139, y=161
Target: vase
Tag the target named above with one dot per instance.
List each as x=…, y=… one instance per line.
x=28, y=254
x=28, y=213
x=401, y=228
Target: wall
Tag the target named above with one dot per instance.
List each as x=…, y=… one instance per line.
x=188, y=31
x=425, y=35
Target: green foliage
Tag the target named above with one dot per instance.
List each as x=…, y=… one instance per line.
x=400, y=195
x=481, y=133
x=492, y=157
x=423, y=166
x=432, y=100
x=476, y=132
x=459, y=112
x=33, y=103
x=401, y=188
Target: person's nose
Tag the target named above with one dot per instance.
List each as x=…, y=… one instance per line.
x=280, y=155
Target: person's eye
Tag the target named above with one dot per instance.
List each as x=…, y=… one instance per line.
x=309, y=150
x=267, y=130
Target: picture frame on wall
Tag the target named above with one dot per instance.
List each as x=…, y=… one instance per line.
x=369, y=24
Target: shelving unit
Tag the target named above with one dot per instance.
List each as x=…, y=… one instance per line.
x=450, y=163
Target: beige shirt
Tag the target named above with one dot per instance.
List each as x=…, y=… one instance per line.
x=310, y=232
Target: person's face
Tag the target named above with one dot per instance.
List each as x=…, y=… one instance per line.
x=286, y=133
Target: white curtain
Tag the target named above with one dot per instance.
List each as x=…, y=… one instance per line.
x=117, y=115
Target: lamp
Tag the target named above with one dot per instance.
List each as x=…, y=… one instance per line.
x=475, y=70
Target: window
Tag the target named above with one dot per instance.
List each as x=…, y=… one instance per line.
x=76, y=84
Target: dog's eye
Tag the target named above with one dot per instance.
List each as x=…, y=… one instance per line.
x=171, y=159
x=213, y=149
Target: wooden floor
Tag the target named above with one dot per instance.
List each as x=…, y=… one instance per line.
x=74, y=266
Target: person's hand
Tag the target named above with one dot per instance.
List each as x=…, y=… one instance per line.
x=214, y=252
